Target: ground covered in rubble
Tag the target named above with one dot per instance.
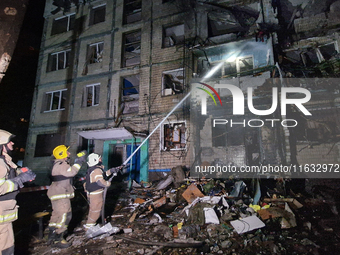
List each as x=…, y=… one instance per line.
x=195, y=217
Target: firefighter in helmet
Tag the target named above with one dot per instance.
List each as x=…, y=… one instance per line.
x=12, y=178
x=94, y=186
x=60, y=193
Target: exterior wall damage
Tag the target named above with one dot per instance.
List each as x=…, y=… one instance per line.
x=133, y=67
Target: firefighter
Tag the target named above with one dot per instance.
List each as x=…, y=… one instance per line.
x=60, y=193
x=12, y=177
x=94, y=186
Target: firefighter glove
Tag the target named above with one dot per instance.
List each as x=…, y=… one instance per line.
x=115, y=170
x=81, y=158
x=24, y=177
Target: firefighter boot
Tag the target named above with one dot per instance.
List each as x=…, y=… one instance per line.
x=51, y=235
x=60, y=242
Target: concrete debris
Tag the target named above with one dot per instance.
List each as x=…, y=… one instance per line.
x=153, y=221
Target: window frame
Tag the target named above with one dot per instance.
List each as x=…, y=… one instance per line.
x=44, y=146
x=125, y=45
x=51, y=100
x=130, y=99
x=178, y=142
x=70, y=25
x=95, y=58
x=165, y=33
x=67, y=56
x=95, y=94
x=237, y=67
x=165, y=91
x=127, y=12
x=92, y=14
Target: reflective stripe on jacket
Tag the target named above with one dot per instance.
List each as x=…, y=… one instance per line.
x=62, y=188
x=8, y=191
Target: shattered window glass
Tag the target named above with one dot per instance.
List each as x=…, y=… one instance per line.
x=220, y=23
x=63, y=24
x=174, y=136
x=97, y=14
x=131, y=51
x=173, y=82
x=310, y=58
x=245, y=65
x=95, y=52
x=173, y=35
x=130, y=94
x=328, y=51
x=132, y=11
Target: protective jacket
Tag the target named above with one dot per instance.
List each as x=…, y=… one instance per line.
x=8, y=190
x=62, y=175
x=94, y=186
x=95, y=179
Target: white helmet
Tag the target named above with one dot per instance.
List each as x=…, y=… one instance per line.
x=93, y=159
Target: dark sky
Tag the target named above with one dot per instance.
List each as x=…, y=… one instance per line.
x=16, y=88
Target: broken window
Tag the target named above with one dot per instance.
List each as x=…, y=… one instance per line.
x=131, y=49
x=45, y=144
x=219, y=135
x=97, y=14
x=59, y=60
x=132, y=11
x=95, y=53
x=328, y=51
x=310, y=58
x=245, y=65
x=55, y=100
x=91, y=95
x=322, y=127
x=173, y=136
x=220, y=23
x=63, y=24
x=130, y=94
x=173, y=35
x=173, y=82
x=240, y=66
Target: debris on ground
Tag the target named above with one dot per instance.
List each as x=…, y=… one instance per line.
x=205, y=216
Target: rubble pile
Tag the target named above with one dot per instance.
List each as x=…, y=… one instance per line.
x=212, y=216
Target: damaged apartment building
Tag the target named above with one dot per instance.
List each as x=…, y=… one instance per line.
x=110, y=72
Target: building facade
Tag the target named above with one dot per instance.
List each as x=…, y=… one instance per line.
x=110, y=72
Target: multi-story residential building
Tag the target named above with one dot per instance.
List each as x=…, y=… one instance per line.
x=111, y=71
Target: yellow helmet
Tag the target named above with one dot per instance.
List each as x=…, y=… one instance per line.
x=60, y=152
x=5, y=137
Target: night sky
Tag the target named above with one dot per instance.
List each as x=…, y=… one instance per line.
x=17, y=87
